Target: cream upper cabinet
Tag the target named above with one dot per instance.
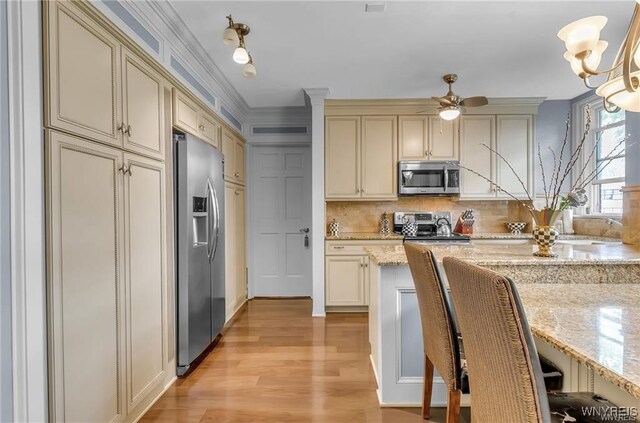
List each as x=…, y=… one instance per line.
x=210, y=129
x=143, y=104
x=476, y=130
x=83, y=75
x=98, y=89
x=346, y=280
x=195, y=119
x=342, y=157
x=427, y=138
x=515, y=143
x=509, y=135
x=443, y=139
x=379, y=157
x=233, y=151
x=361, y=157
x=145, y=275
x=185, y=113
x=413, y=137
x=85, y=280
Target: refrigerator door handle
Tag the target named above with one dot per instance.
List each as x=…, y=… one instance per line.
x=210, y=220
x=216, y=222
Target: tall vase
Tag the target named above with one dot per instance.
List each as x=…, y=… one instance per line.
x=544, y=232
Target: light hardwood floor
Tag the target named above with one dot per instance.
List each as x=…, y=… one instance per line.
x=278, y=364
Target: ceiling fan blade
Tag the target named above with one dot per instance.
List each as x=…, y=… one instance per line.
x=474, y=101
x=444, y=101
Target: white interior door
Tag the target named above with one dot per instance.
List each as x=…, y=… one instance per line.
x=280, y=211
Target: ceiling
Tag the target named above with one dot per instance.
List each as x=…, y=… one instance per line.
x=498, y=49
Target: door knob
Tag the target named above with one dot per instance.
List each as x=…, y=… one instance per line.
x=304, y=230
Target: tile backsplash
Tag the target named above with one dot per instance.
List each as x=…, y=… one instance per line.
x=364, y=216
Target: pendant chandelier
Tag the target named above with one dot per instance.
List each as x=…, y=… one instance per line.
x=584, y=53
x=234, y=36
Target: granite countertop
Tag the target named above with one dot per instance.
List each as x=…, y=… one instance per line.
x=349, y=236
x=515, y=255
x=528, y=235
x=597, y=325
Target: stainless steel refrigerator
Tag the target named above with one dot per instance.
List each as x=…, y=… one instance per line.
x=199, y=214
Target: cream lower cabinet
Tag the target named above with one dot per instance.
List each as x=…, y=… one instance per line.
x=97, y=88
x=347, y=273
x=347, y=281
x=107, y=294
x=235, y=248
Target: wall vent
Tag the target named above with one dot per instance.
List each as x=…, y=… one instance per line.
x=177, y=66
x=279, y=130
x=134, y=24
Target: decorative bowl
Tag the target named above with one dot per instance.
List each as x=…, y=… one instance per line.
x=516, y=227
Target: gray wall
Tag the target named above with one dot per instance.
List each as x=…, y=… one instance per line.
x=6, y=397
x=550, y=129
x=632, y=169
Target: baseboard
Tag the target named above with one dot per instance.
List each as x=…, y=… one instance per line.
x=375, y=373
x=233, y=316
x=165, y=389
x=347, y=309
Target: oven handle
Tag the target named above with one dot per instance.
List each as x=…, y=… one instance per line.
x=446, y=178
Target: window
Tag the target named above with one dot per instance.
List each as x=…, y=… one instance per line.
x=609, y=135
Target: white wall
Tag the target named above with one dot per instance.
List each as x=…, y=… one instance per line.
x=6, y=377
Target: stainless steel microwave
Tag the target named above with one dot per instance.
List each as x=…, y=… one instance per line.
x=428, y=178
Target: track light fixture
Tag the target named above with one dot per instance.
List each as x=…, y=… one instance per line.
x=234, y=36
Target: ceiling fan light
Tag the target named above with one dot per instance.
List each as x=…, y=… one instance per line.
x=230, y=37
x=616, y=93
x=583, y=34
x=449, y=112
x=249, y=70
x=241, y=56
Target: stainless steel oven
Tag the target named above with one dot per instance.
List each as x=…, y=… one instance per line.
x=428, y=178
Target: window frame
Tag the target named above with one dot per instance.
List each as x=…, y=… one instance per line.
x=579, y=120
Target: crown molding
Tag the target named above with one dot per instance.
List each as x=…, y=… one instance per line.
x=177, y=37
x=316, y=96
x=337, y=107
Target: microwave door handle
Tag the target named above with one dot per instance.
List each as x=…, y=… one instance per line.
x=446, y=178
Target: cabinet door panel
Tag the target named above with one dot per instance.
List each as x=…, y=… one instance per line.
x=345, y=280
x=475, y=131
x=241, y=281
x=185, y=113
x=514, y=143
x=230, y=247
x=342, y=157
x=443, y=139
x=238, y=156
x=85, y=276
x=379, y=157
x=413, y=138
x=83, y=76
x=143, y=107
x=228, y=150
x=145, y=276
x=210, y=129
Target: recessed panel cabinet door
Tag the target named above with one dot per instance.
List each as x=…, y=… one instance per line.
x=143, y=107
x=238, y=156
x=185, y=113
x=145, y=281
x=514, y=143
x=476, y=130
x=379, y=157
x=443, y=139
x=241, y=265
x=345, y=280
x=85, y=276
x=413, y=143
x=83, y=76
x=210, y=129
x=230, y=247
x=342, y=157
x=229, y=152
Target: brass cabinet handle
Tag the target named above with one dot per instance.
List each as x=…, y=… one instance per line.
x=122, y=169
x=201, y=127
x=339, y=247
x=426, y=153
x=129, y=171
x=121, y=128
x=237, y=174
x=237, y=192
x=127, y=131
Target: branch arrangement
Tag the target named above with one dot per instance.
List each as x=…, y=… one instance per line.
x=562, y=169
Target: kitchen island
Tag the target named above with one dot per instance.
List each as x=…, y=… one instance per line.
x=585, y=278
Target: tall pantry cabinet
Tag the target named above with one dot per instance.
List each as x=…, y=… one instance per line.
x=106, y=221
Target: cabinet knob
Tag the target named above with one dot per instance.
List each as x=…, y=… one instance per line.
x=237, y=174
x=128, y=130
x=426, y=153
x=237, y=192
x=122, y=128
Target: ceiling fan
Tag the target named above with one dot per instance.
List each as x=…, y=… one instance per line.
x=451, y=105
